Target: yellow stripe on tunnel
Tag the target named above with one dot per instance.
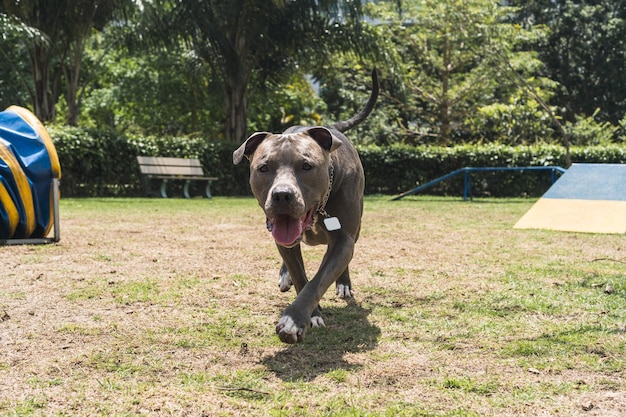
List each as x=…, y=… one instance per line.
x=9, y=206
x=23, y=188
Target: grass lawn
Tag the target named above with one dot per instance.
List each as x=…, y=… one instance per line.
x=167, y=308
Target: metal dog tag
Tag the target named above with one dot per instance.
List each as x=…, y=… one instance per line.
x=332, y=223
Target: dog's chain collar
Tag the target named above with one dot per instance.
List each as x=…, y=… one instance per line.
x=331, y=174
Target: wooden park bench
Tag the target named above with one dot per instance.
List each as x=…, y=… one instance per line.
x=166, y=169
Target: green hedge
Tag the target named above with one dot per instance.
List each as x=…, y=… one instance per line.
x=103, y=163
x=398, y=168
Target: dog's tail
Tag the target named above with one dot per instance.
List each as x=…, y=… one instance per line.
x=365, y=111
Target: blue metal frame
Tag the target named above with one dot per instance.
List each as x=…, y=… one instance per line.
x=467, y=178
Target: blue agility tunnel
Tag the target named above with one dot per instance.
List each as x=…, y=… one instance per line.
x=29, y=179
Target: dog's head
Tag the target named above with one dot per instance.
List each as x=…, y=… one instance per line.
x=289, y=176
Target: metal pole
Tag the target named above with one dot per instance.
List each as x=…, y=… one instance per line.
x=55, y=209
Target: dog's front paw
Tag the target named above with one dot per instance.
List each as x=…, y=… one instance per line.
x=288, y=331
x=344, y=291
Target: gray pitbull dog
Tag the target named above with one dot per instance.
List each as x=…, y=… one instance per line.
x=309, y=182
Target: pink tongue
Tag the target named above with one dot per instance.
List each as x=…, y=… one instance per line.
x=286, y=230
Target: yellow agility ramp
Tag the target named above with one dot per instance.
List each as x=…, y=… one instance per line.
x=588, y=198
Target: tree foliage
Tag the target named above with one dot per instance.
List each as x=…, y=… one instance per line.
x=255, y=40
x=583, y=54
x=451, y=71
x=155, y=93
x=14, y=86
x=458, y=57
x=66, y=25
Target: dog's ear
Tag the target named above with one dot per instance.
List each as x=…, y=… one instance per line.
x=325, y=138
x=249, y=146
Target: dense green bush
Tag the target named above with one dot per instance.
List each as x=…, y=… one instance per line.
x=103, y=163
x=398, y=168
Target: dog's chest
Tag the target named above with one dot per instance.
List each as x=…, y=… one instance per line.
x=316, y=235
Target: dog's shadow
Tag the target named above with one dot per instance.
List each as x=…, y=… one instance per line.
x=323, y=349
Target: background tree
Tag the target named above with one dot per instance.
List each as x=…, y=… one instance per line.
x=256, y=40
x=66, y=25
x=582, y=54
x=452, y=71
x=157, y=92
x=458, y=56
x=152, y=93
x=14, y=86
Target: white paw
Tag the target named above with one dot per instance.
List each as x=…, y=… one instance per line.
x=344, y=291
x=284, y=281
x=316, y=321
x=286, y=326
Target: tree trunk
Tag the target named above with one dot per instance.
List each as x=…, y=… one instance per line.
x=444, y=101
x=237, y=75
x=72, y=76
x=43, y=101
x=236, y=111
x=236, y=80
x=444, y=110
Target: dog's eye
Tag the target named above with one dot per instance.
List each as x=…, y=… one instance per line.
x=264, y=168
x=306, y=166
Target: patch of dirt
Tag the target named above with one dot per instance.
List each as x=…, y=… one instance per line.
x=164, y=310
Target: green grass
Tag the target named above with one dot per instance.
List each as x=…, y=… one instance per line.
x=168, y=307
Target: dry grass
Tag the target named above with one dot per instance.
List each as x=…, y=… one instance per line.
x=155, y=307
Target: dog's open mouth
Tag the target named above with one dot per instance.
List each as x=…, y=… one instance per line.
x=287, y=230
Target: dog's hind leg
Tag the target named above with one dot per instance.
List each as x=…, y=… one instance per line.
x=284, y=279
x=343, y=286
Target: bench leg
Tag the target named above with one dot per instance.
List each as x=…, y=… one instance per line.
x=207, y=190
x=186, y=189
x=164, y=189
x=146, y=187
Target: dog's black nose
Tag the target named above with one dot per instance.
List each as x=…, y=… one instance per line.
x=282, y=195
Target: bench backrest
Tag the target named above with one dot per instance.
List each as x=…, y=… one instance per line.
x=150, y=165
